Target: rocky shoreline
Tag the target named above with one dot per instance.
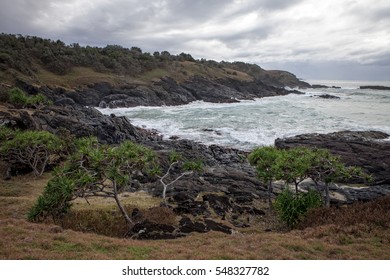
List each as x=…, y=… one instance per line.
x=165, y=91
x=226, y=169
x=227, y=189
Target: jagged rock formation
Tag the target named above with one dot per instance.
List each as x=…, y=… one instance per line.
x=164, y=92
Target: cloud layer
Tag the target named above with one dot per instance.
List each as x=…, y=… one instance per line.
x=297, y=35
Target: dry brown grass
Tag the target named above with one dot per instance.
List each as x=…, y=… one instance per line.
x=20, y=239
x=375, y=213
x=82, y=76
x=179, y=71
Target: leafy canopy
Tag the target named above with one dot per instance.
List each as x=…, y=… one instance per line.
x=94, y=170
x=33, y=149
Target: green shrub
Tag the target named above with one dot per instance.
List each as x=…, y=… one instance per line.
x=94, y=170
x=39, y=100
x=55, y=200
x=33, y=149
x=6, y=133
x=19, y=98
x=292, y=207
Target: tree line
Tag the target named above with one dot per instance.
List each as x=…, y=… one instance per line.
x=22, y=53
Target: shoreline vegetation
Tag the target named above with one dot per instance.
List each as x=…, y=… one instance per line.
x=221, y=205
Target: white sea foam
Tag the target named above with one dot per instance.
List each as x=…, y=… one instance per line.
x=249, y=124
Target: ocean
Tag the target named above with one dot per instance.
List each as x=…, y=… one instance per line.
x=250, y=124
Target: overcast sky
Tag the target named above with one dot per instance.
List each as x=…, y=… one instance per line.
x=314, y=39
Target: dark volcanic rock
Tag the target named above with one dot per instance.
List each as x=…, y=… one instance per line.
x=188, y=226
x=151, y=230
x=221, y=204
x=213, y=225
x=319, y=86
x=163, y=92
x=360, y=148
x=327, y=96
x=85, y=121
x=195, y=208
x=80, y=121
x=375, y=87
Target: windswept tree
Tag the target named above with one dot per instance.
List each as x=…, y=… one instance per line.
x=31, y=149
x=296, y=164
x=266, y=160
x=185, y=168
x=328, y=168
x=95, y=170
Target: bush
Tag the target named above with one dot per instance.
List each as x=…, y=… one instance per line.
x=39, y=100
x=19, y=98
x=55, y=200
x=292, y=207
x=94, y=170
x=33, y=149
x=6, y=133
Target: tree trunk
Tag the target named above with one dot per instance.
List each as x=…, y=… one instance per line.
x=120, y=206
x=327, y=198
x=270, y=194
x=8, y=174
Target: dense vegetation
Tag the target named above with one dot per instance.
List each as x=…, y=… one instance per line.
x=22, y=52
x=97, y=170
x=34, y=150
x=294, y=166
x=93, y=170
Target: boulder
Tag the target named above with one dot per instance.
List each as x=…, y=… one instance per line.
x=213, y=225
x=152, y=231
x=188, y=226
x=220, y=204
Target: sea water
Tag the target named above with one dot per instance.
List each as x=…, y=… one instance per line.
x=249, y=124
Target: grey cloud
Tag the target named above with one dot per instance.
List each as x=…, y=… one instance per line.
x=197, y=26
x=380, y=59
x=372, y=12
x=277, y=4
x=16, y=15
x=333, y=70
x=199, y=10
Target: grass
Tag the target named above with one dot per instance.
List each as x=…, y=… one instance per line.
x=154, y=74
x=181, y=71
x=20, y=239
x=80, y=77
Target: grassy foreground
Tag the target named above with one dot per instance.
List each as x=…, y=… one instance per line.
x=328, y=239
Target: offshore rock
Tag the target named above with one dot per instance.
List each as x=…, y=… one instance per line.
x=327, y=96
x=375, y=87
